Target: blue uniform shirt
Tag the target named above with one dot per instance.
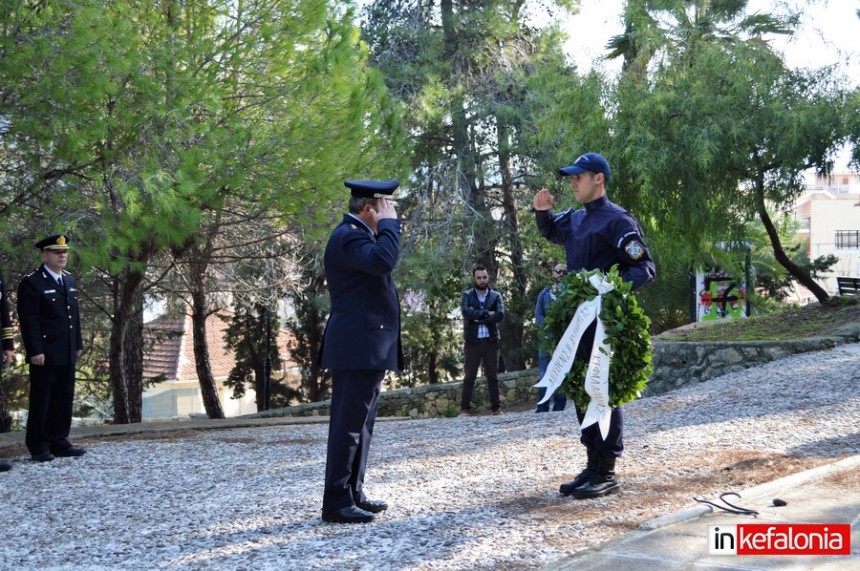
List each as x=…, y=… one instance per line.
x=597, y=237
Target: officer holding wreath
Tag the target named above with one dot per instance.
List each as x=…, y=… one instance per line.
x=595, y=237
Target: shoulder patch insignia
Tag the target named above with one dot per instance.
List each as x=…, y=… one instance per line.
x=634, y=249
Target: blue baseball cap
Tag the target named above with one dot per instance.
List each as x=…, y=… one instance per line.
x=592, y=162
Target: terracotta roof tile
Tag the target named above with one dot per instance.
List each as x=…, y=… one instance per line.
x=171, y=352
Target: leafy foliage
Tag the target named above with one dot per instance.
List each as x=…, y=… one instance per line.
x=721, y=131
x=246, y=335
x=139, y=127
x=429, y=285
x=310, y=301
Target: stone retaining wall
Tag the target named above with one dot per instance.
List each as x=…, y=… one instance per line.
x=675, y=365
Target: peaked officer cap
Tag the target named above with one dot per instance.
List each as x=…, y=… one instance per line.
x=371, y=188
x=55, y=242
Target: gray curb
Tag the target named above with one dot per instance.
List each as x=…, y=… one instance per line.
x=766, y=489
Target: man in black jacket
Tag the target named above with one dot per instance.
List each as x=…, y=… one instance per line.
x=51, y=329
x=482, y=310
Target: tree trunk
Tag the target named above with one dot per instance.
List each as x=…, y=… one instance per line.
x=464, y=150
x=126, y=347
x=117, y=371
x=208, y=387
x=433, y=368
x=199, y=262
x=259, y=382
x=796, y=272
x=512, y=328
x=133, y=352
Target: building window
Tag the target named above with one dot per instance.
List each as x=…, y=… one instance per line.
x=847, y=239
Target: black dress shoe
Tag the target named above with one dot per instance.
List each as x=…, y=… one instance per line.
x=568, y=488
x=350, y=514
x=5, y=466
x=43, y=457
x=372, y=506
x=70, y=452
x=597, y=487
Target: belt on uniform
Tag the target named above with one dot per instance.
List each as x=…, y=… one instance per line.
x=486, y=340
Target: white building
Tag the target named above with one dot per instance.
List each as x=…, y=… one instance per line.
x=171, y=356
x=829, y=214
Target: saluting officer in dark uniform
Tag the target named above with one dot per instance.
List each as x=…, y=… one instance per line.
x=7, y=333
x=595, y=237
x=51, y=329
x=361, y=341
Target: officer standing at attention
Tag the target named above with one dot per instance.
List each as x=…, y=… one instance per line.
x=51, y=329
x=597, y=236
x=361, y=341
x=7, y=333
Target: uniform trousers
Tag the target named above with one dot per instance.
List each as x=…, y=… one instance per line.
x=590, y=436
x=49, y=420
x=354, y=400
x=486, y=351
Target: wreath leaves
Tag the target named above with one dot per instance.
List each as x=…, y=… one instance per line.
x=626, y=335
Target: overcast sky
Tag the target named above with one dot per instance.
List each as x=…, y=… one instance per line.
x=829, y=33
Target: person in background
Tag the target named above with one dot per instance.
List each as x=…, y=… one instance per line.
x=361, y=341
x=482, y=310
x=595, y=237
x=51, y=330
x=545, y=297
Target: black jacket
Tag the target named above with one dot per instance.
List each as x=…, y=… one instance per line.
x=475, y=313
x=49, y=318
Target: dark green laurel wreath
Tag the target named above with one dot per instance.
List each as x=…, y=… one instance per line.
x=626, y=332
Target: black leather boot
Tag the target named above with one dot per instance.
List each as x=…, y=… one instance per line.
x=591, y=469
x=602, y=483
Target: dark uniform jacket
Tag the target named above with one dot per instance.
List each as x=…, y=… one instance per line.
x=476, y=314
x=363, y=328
x=599, y=236
x=50, y=318
x=7, y=332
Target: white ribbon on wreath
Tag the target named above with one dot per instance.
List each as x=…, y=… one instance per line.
x=597, y=375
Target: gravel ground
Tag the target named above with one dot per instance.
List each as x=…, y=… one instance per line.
x=465, y=493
